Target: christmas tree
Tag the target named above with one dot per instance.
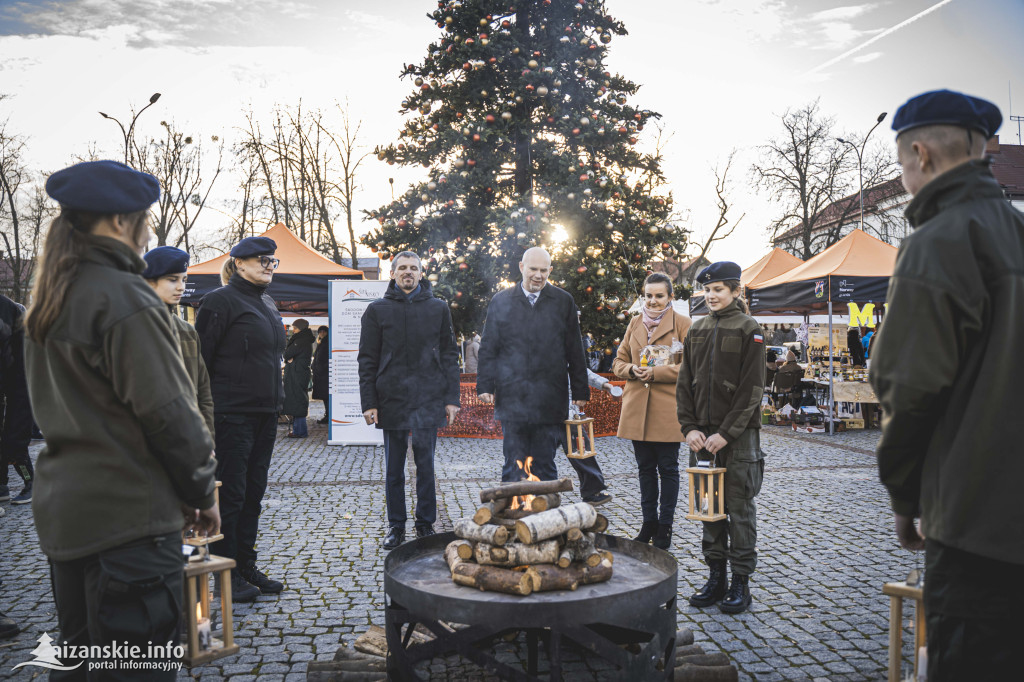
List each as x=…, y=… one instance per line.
x=527, y=141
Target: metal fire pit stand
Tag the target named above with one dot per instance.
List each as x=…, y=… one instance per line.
x=637, y=607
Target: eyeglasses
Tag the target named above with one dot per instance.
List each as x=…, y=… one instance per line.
x=268, y=262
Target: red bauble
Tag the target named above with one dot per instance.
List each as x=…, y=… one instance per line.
x=402, y=223
x=489, y=118
x=575, y=131
x=470, y=163
x=463, y=266
x=476, y=137
x=589, y=290
x=458, y=294
x=581, y=269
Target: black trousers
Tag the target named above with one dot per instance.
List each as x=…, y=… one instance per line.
x=657, y=462
x=973, y=606
x=245, y=444
x=129, y=594
x=396, y=443
x=589, y=471
x=539, y=441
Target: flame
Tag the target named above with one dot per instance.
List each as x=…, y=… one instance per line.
x=199, y=612
x=524, y=500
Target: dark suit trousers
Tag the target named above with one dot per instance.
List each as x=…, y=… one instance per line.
x=539, y=441
x=396, y=442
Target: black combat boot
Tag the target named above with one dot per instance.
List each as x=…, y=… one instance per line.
x=647, y=531
x=258, y=578
x=737, y=599
x=242, y=591
x=714, y=589
x=663, y=538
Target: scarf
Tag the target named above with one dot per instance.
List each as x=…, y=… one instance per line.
x=652, y=322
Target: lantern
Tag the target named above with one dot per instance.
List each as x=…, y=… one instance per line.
x=707, y=491
x=201, y=646
x=575, y=435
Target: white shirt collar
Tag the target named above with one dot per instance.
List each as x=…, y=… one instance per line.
x=522, y=284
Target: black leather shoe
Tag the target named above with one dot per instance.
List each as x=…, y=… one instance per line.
x=737, y=599
x=255, y=576
x=242, y=590
x=647, y=531
x=663, y=538
x=715, y=588
x=8, y=628
x=424, y=531
x=395, y=537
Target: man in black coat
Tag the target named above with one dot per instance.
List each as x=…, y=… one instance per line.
x=530, y=356
x=408, y=383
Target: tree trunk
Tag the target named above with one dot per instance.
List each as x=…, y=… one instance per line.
x=517, y=554
x=517, y=488
x=547, y=577
x=555, y=522
x=467, y=529
x=493, y=579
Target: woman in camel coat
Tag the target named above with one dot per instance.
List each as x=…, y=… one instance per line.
x=648, y=416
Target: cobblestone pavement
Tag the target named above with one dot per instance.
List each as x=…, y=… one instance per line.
x=826, y=547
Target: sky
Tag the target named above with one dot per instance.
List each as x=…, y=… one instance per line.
x=720, y=72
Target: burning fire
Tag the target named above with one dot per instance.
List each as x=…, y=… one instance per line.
x=199, y=612
x=523, y=500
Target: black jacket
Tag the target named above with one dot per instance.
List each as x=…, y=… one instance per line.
x=529, y=356
x=946, y=366
x=297, y=355
x=242, y=339
x=408, y=359
x=15, y=413
x=322, y=370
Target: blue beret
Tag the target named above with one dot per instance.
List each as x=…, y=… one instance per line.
x=718, y=272
x=106, y=187
x=945, y=107
x=164, y=260
x=254, y=246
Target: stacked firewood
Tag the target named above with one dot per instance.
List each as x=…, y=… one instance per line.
x=537, y=547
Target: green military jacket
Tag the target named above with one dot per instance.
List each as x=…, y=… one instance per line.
x=188, y=341
x=125, y=443
x=721, y=378
x=946, y=366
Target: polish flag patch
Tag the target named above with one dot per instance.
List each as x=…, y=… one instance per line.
x=758, y=338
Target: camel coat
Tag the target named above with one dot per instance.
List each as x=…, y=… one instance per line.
x=649, y=409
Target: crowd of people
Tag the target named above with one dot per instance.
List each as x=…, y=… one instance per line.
x=143, y=413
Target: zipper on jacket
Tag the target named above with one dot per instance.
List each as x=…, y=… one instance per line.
x=711, y=370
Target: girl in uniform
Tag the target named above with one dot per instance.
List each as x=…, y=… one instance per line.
x=718, y=398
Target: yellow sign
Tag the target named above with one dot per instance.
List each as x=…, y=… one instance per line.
x=862, y=317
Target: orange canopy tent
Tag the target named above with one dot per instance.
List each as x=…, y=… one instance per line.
x=300, y=282
x=772, y=264
x=856, y=269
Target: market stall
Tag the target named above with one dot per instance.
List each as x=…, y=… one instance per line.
x=300, y=282
x=853, y=273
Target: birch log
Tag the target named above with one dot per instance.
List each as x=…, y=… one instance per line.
x=464, y=549
x=554, y=522
x=488, y=510
x=544, y=502
x=492, y=535
x=517, y=488
x=564, y=558
x=493, y=579
x=547, y=577
x=600, y=524
x=518, y=554
x=452, y=555
x=584, y=550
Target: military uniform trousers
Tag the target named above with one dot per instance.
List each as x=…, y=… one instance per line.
x=128, y=594
x=973, y=606
x=735, y=538
x=245, y=444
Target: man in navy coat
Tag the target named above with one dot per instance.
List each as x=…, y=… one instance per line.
x=408, y=385
x=531, y=356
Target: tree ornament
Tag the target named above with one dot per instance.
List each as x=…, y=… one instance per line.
x=506, y=115
x=600, y=272
x=542, y=90
x=431, y=185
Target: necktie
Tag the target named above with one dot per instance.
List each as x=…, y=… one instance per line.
x=533, y=298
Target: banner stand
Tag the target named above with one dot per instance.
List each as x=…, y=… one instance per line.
x=347, y=301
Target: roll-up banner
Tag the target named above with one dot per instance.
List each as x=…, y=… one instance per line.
x=348, y=302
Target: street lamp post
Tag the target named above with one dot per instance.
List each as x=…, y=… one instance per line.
x=860, y=161
x=131, y=127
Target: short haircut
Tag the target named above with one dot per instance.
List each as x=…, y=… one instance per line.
x=949, y=142
x=322, y=328
x=660, y=278
x=301, y=324
x=770, y=356
x=406, y=254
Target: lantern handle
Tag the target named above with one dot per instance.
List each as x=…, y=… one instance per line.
x=713, y=458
